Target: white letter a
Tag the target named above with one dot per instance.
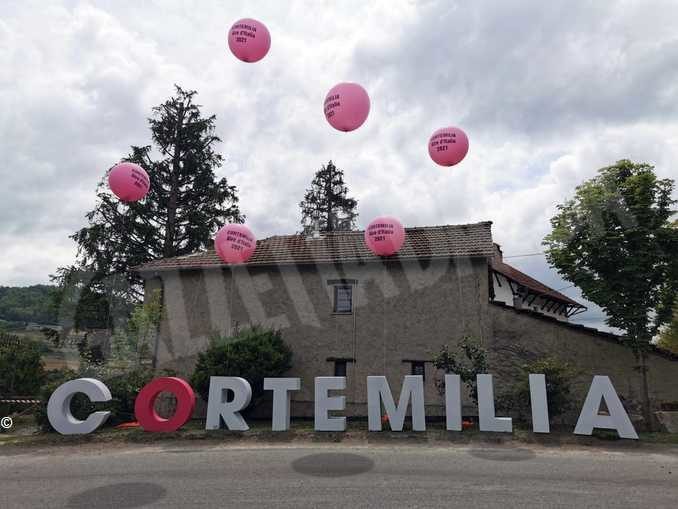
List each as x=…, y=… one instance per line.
x=602, y=389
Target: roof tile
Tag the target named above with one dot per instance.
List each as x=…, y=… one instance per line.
x=467, y=240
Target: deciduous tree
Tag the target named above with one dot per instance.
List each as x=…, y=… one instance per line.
x=615, y=241
x=668, y=337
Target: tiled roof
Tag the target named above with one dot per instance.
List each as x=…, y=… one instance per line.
x=532, y=284
x=466, y=240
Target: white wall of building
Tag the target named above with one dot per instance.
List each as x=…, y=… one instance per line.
x=503, y=293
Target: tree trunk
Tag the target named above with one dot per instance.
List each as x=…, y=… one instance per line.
x=328, y=197
x=647, y=412
x=170, y=231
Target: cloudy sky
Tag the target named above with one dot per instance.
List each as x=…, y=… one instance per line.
x=547, y=92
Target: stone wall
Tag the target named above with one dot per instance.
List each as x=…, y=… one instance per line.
x=519, y=337
x=401, y=312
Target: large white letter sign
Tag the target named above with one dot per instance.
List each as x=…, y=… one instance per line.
x=378, y=391
x=452, y=403
x=539, y=404
x=486, y=418
x=59, y=406
x=602, y=389
x=324, y=403
x=229, y=411
x=282, y=394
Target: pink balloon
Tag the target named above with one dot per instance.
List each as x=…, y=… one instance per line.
x=448, y=146
x=235, y=243
x=347, y=106
x=384, y=236
x=129, y=181
x=249, y=40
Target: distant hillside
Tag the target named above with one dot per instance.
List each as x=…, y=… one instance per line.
x=26, y=304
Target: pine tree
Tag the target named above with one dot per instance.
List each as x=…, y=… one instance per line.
x=185, y=206
x=327, y=204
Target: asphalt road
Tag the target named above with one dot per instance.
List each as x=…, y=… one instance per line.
x=338, y=476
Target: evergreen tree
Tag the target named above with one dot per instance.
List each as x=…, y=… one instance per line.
x=185, y=206
x=327, y=202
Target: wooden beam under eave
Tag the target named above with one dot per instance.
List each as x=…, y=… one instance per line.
x=552, y=303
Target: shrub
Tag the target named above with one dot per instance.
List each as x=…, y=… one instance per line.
x=22, y=372
x=475, y=363
x=124, y=388
x=559, y=377
x=92, y=354
x=81, y=406
x=123, y=373
x=252, y=354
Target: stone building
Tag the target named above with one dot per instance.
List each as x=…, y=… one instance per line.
x=347, y=312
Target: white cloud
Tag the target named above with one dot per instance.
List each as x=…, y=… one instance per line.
x=548, y=93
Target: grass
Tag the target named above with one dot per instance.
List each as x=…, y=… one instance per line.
x=25, y=434
x=659, y=438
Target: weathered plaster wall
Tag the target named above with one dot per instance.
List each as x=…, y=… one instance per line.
x=400, y=312
x=518, y=337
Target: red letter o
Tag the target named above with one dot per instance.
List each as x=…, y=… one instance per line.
x=144, y=405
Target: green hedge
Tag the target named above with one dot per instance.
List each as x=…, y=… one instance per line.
x=124, y=388
x=22, y=372
x=252, y=354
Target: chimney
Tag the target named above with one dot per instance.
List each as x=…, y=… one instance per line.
x=498, y=255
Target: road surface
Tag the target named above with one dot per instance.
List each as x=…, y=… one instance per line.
x=329, y=476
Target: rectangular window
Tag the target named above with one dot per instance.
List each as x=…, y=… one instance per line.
x=343, y=299
x=419, y=368
x=340, y=368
